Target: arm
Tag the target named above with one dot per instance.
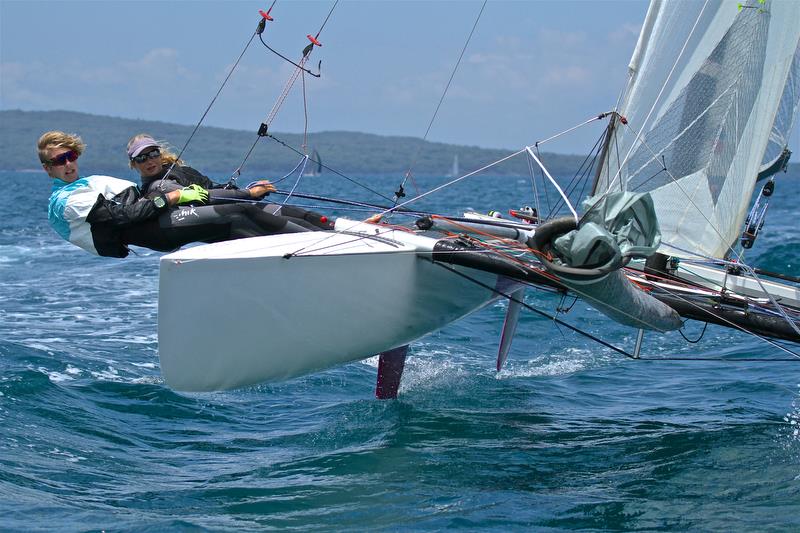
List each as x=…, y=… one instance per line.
x=256, y=191
x=215, y=196
x=185, y=176
x=128, y=207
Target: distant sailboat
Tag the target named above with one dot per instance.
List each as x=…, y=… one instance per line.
x=454, y=170
x=314, y=166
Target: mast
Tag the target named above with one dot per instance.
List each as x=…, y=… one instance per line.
x=605, y=167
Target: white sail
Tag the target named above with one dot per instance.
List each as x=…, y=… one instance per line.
x=785, y=117
x=705, y=85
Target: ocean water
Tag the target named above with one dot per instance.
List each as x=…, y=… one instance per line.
x=569, y=436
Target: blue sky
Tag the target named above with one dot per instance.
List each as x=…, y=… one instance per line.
x=531, y=69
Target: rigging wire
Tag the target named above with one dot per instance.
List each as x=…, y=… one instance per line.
x=338, y=173
x=214, y=99
x=299, y=68
x=531, y=308
x=581, y=174
x=541, y=177
x=533, y=186
x=492, y=164
x=752, y=273
x=353, y=205
x=400, y=193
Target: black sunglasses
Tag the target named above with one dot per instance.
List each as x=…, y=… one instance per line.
x=61, y=160
x=141, y=158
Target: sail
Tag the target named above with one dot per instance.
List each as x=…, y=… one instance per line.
x=705, y=84
x=318, y=159
x=314, y=167
x=776, y=156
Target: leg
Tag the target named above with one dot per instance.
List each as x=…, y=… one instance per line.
x=308, y=219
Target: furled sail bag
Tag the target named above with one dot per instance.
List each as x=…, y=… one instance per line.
x=588, y=257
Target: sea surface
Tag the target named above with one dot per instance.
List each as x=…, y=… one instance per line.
x=569, y=436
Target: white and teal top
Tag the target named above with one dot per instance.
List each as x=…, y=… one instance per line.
x=70, y=204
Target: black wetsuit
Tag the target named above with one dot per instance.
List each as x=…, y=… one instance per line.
x=209, y=223
x=252, y=219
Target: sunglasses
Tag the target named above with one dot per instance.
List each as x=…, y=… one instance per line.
x=141, y=158
x=61, y=160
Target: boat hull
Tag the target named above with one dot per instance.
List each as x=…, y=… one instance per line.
x=242, y=312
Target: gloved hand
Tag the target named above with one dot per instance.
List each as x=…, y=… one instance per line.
x=193, y=193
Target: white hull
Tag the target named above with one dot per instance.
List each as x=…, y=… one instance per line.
x=237, y=313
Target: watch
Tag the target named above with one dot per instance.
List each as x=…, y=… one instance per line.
x=159, y=201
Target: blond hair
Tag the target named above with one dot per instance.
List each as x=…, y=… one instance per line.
x=58, y=139
x=168, y=157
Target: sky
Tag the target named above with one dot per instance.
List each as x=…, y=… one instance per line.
x=530, y=70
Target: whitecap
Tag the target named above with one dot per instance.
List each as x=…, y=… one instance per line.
x=109, y=374
x=371, y=361
x=55, y=377
x=69, y=456
x=538, y=368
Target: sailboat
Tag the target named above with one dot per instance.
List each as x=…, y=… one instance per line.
x=454, y=168
x=657, y=242
x=314, y=166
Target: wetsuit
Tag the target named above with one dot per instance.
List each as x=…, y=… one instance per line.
x=183, y=176
x=207, y=223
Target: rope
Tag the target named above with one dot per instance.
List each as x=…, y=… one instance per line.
x=351, y=180
x=441, y=99
x=702, y=333
x=299, y=68
x=780, y=309
x=531, y=308
x=213, y=100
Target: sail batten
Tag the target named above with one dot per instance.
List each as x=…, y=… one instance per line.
x=706, y=83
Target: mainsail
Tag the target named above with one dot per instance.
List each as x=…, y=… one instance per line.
x=706, y=83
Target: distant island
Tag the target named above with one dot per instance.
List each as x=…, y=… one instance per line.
x=221, y=151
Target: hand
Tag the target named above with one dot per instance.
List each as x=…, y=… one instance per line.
x=260, y=189
x=374, y=219
x=193, y=193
